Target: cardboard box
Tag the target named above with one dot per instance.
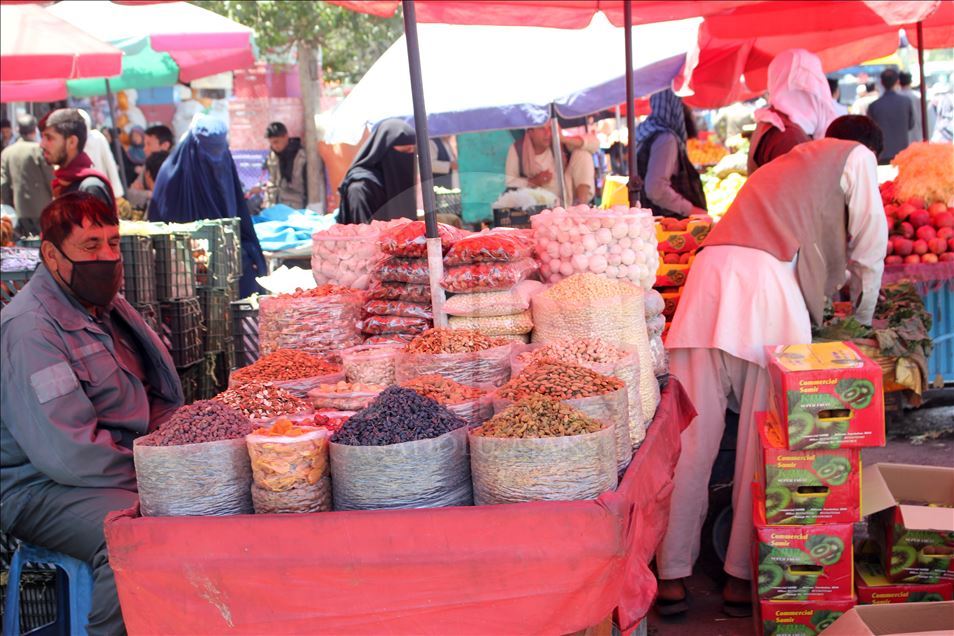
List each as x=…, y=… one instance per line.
x=672, y=274
x=807, y=486
x=792, y=618
x=905, y=619
x=802, y=563
x=874, y=588
x=672, y=302
x=912, y=518
x=682, y=241
x=826, y=395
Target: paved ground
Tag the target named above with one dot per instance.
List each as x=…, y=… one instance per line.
x=925, y=437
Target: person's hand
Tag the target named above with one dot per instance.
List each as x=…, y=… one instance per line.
x=572, y=143
x=453, y=165
x=254, y=190
x=541, y=179
x=696, y=210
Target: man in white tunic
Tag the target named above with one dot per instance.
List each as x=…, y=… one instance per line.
x=784, y=247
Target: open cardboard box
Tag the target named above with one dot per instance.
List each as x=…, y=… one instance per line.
x=917, y=539
x=903, y=619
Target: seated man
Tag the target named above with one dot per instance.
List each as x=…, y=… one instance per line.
x=82, y=377
x=287, y=169
x=530, y=164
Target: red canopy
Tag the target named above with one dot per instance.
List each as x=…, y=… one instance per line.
x=64, y=52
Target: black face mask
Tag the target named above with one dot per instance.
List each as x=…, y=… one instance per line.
x=95, y=282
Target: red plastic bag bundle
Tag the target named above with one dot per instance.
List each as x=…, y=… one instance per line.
x=399, y=308
x=400, y=291
x=410, y=271
x=390, y=339
x=383, y=325
x=409, y=241
x=481, y=277
x=499, y=245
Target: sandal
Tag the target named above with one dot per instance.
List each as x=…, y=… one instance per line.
x=737, y=609
x=672, y=607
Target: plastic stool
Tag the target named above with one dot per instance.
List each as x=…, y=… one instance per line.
x=80, y=591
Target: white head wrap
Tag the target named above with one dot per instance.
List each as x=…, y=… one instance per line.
x=797, y=86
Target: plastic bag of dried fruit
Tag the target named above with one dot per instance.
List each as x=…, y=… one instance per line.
x=497, y=245
x=344, y=396
x=409, y=271
x=384, y=325
x=484, y=277
x=558, y=468
x=621, y=361
x=510, y=325
x=427, y=473
x=409, y=240
x=313, y=324
x=474, y=368
x=400, y=291
x=289, y=461
x=370, y=364
x=399, y=308
x=494, y=303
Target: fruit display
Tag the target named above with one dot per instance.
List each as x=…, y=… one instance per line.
x=807, y=487
x=826, y=395
x=924, y=170
x=921, y=230
x=874, y=588
x=721, y=192
x=705, y=153
x=345, y=254
x=808, y=618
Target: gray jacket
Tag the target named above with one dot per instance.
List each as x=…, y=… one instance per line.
x=69, y=408
x=292, y=193
x=25, y=179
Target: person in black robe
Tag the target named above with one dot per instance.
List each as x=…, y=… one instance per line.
x=379, y=185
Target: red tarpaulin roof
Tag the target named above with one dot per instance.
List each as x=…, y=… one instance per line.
x=64, y=52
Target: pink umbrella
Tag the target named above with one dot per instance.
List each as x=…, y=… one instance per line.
x=62, y=52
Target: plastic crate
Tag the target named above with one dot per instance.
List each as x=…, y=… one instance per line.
x=216, y=316
x=191, y=379
x=181, y=330
x=38, y=598
x=513, y=217
x=940, y=303
x=244, y=333
x=139, y=270
x=11, y=283
x=214, y=251
x=149, y=313
x=175, y=266
x=215, y=375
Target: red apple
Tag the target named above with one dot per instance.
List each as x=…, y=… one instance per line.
x=914, y=259
x=920, y=246
x=890, y=247
x=936, y=208
x=937, y=246
x=919, y=218
x=917, y=202
x=943, y=219
x=903, y=246
x=929, y=258
x=946, y=257
x=945, y=232
x=671, y=259
x=893, y=260
x=926, y=233
x=950, y=244
x=907, y=230
x=890, y=208
x=905, y=210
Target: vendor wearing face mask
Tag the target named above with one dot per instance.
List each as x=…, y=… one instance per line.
x=82, y=377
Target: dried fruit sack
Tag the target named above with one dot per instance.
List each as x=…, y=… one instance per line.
x=827, y=395
x=807, y=487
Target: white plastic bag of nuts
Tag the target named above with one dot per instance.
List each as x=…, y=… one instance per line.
x=370, y=364
x=476, y=368
x=290, y=471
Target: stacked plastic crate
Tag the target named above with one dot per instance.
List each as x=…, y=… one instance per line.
x=139, y=277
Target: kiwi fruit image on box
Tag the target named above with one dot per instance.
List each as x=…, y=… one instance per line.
x=825, y=549
x=822, y=620
x=902, y=558
x=855, y=393
x=833, y=470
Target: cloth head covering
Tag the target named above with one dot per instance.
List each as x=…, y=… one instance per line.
x=199, y=180
x=667, y=116
x=797, y=86
x=388, y=170
x=137, y=152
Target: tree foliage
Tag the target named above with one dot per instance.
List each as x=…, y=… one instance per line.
x=350, y=42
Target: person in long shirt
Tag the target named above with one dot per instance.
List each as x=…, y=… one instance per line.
x=894, y=113
x=64, y=140
x=671, y=185
x=762, y=278
x=800, y=107
x=82, y=377
x=199, y=180
x=379, y=185
x=530, y=164
x=904, y=82
x=25, y=177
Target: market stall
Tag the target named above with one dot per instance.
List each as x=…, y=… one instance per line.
x=546, y=567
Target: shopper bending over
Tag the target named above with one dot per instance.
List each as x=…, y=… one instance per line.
x=800, y=107
x=762, y=278
x=82, y=377
x=671, y=185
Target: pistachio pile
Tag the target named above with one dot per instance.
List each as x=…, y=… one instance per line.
x=538, y=416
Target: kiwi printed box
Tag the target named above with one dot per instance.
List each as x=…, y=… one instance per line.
x=807, y=486
x=911, y=516
x=826, y=395
x=801, y=563
x=874, y=588
x=792, y=618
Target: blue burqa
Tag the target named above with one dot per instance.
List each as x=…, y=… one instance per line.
x=199, y=181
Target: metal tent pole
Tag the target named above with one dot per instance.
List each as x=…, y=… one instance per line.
x=633, y=183
x=117, y=147
x=435, y=257
x=558, y=157
x=924, y=121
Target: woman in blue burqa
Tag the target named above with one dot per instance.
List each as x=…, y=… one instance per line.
x=199, y=181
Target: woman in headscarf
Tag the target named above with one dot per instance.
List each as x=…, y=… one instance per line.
x=379, y=185
x=137, y=145
x=670, y=184
x=199, y=181
x=800, y=107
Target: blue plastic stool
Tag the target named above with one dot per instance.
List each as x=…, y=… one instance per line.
x=80, y=591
